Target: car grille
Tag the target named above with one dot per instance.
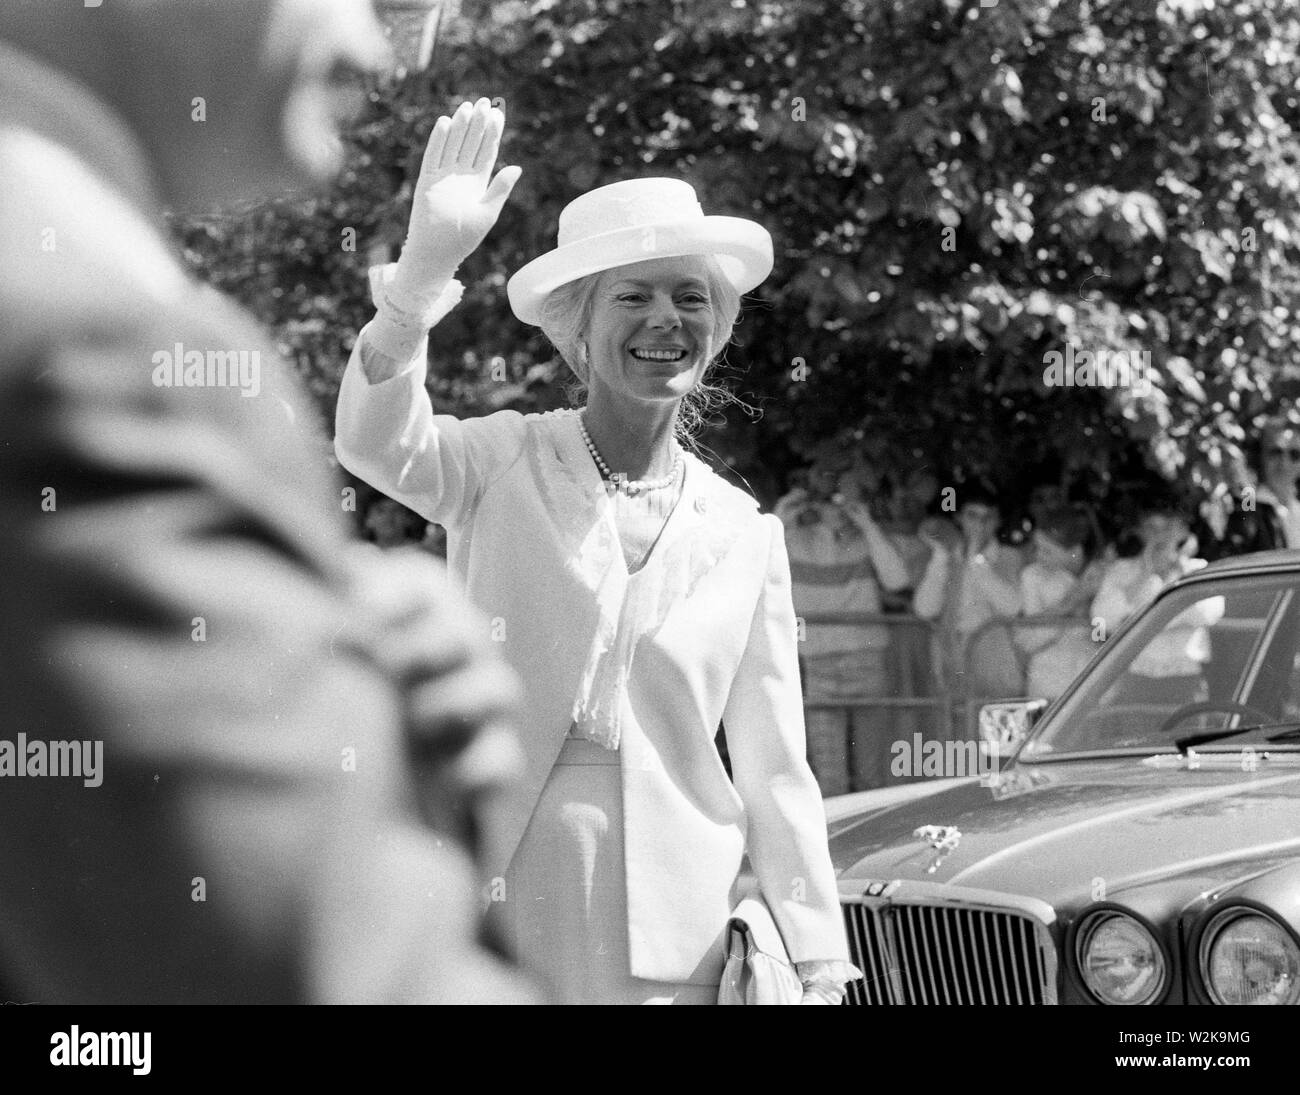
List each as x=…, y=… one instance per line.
x=942, y=954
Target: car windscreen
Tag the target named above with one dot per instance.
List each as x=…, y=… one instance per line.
x=1213, y=655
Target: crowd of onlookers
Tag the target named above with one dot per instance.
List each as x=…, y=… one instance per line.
x=1015, y=597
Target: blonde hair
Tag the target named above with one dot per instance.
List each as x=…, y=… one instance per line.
x=566, y=317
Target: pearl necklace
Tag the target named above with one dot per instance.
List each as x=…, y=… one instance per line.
x=618, y=480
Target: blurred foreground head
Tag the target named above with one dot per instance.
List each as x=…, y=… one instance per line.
x=230, y=99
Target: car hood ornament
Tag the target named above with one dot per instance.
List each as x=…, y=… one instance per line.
x=942, y=838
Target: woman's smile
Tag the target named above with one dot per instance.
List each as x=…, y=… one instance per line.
x=668, y=355
x=666, y=361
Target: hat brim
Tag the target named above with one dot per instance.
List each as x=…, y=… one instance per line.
x=742, y=247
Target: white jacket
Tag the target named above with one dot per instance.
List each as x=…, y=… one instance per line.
x=707, y=624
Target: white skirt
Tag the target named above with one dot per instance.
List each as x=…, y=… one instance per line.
x=565, y=907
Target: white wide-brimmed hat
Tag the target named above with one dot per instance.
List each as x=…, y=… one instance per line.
x=635, y=220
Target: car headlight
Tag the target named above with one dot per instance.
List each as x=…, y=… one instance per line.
x=1248, y=958
x=1120, y=961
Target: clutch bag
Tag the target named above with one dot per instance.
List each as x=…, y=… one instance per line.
x=758, y=968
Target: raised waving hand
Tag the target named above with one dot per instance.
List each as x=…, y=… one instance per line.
x=457, y=201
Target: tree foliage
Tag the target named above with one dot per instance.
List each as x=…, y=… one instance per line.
x=954, y=190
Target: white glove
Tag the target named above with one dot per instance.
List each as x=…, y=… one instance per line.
x=454, y=206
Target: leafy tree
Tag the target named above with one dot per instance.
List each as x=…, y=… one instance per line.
x=955, y=191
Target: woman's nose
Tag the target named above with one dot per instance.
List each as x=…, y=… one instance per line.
x=663, y=316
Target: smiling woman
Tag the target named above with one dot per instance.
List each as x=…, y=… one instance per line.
x=643, y=600
x=569, y=311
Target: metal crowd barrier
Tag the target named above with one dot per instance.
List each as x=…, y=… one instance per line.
x=911, y=702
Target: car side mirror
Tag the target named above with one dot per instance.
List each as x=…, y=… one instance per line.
x=1005, y=724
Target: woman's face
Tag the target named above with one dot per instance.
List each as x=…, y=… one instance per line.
x=651, y=329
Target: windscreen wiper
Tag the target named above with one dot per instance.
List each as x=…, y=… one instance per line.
x=1289, y=731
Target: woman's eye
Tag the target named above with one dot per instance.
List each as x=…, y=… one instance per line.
x=631, y=297
x=695, y=298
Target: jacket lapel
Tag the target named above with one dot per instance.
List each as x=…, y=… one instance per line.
x=709, y=518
